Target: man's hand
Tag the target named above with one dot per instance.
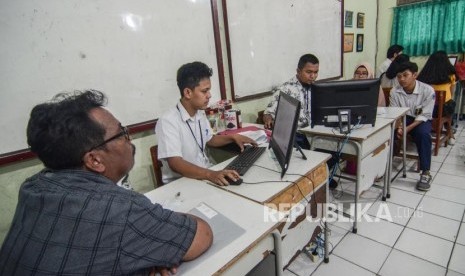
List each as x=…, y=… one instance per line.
x=221, y=177
x=399, y=132
x=240, y=140
x=267, y=121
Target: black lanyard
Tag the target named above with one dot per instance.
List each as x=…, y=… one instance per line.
x=192, y=132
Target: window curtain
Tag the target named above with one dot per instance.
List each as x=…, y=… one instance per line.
x=426, y=27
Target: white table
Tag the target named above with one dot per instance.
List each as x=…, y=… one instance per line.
x=288, y=195
x=243, y=253
x=394, y=113
x=362, y=142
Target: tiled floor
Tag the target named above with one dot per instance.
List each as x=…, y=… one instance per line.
x=425, y=235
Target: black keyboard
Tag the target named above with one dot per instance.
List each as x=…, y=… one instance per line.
x=245, y=159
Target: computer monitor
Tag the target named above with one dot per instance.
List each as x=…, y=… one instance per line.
x=284, y=129
x=340, y=102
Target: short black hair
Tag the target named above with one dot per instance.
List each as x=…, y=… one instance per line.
x=408, y=65
x=394, y=49
x=190, y=74
x=307, y=58
x=60, y=132
x=391, y=72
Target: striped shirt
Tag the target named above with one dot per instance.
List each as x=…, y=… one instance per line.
x=78, y=222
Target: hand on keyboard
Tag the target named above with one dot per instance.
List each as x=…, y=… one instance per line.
x=223, y=177
x=242, y=140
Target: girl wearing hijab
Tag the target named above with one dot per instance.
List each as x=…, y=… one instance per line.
x=365, y=71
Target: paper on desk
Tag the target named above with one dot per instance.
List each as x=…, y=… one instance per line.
x=258, y=136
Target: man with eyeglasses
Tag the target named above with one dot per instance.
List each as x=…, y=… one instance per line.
x=72, y=218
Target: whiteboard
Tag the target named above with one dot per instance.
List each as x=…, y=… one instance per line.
x=267, y=38
x=130, y=50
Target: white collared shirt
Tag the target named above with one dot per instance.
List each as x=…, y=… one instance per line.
x=175, y=138
x=422, y=97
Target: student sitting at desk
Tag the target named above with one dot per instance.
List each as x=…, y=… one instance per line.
x=419, y=97
x=184, y=131
x=299, y=88
x=365, y=71
x=72, y=218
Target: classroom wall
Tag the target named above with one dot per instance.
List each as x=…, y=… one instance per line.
x=351, y=59
x=141, y=177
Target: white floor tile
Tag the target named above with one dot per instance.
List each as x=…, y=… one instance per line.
x=435, y=166
x=447, y=193
x=461, y=236
x=456, y=262
x=362, y=251
x=453, y=273
x=401, y=264
x=339, y=266
x=407, y=184
x=380, y=230
x=438, y=158
x=442, y=207
x=424, y=246
x=434, y=225
x=399, y=214
x=454, y=169
x=449, y=180
x=302, y=265
x=336, y=234
x=404, y=198
x=454, y=159
x=288, y=273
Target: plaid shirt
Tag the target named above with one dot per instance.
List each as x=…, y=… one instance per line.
x=293, y=88
x=78, y=222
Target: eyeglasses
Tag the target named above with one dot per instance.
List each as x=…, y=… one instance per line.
x=124, y=132
x=361, y=73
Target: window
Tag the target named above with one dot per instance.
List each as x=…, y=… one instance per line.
x=426, y=27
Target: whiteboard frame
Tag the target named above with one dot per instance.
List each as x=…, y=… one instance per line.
x=14, y=156
x=262, y=94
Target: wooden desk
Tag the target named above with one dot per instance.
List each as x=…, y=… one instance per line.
x=394, y=113
x=291, y=195
x=361, y=143
x=242, y=254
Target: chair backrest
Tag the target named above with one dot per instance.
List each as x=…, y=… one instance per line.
x=387, y=93
x=260, y=117
x=156, y=166
x=440, y=101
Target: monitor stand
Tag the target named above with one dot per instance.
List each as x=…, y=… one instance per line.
x=300, y=150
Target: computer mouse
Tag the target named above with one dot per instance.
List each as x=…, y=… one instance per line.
x=232, y=182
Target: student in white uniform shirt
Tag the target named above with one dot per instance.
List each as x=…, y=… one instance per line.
x=392, y=52
x=419, y=97
x=184, y=131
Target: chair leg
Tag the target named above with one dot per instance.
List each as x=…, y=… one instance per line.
x=437, y=140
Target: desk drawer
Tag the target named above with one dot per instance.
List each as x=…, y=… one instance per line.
x=303, y=186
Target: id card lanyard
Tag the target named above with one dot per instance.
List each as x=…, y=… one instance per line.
x=201, y=146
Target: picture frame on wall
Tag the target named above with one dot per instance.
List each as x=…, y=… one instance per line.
x=360, y=20
x=348, y=43
x=360, y=39
x=348, y=18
